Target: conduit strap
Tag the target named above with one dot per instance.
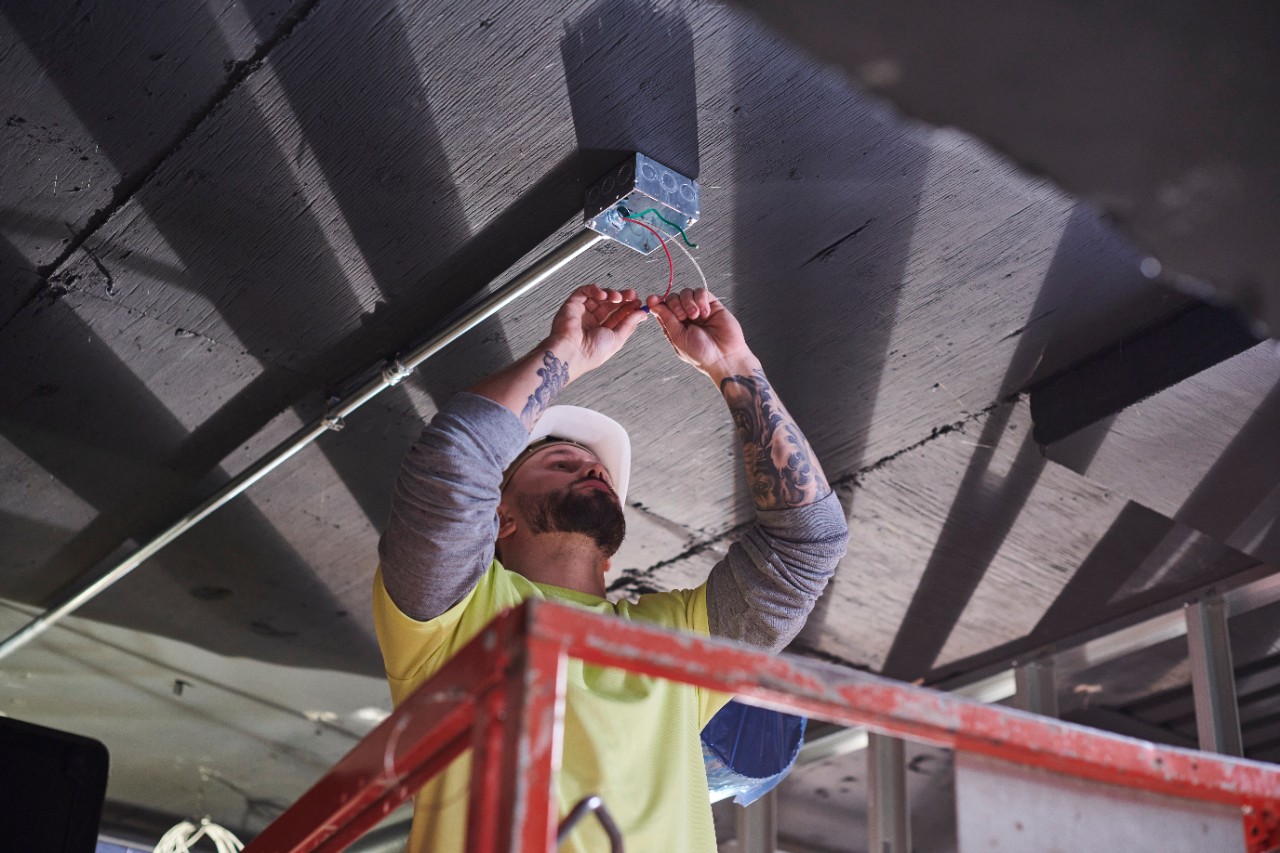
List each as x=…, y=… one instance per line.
x=395, y=372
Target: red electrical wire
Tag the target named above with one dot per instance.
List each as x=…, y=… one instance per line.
x=671, y=266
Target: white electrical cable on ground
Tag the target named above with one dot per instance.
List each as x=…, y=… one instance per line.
x=182, y=838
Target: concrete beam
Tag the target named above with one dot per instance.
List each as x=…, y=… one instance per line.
x=1134, y=369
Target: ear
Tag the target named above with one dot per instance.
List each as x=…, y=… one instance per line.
x=608, y=564
x=506, y=521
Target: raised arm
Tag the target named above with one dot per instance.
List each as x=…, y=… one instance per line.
x=764, y=589
x=589, y=329
x=443, y=524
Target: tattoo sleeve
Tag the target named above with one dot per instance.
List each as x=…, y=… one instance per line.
x=781, y=468
x=554, y=374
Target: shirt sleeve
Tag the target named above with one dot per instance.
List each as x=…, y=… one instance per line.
x=763, y=590
x=443, y=523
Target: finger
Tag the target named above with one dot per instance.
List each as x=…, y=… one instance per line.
x=626, y=319
x=629, y=295
x=666, y=317
x=673, y=302
x=703, y=297
x=587, y=291
x=630, y=323
x=612, y=296
x=616, y=313
x=603, y=311
x=586, y=297
x=690, y=304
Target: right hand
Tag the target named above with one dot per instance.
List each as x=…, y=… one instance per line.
x=594, y=323
x=703, y=332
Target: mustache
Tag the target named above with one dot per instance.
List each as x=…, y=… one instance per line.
x=593, y=479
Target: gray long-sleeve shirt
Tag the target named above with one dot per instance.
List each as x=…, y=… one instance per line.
x=443, y=527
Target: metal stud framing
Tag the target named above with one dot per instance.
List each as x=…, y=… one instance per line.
x=1213, y=680
x=889, y=819
x=1036, y=690
x=757, y=825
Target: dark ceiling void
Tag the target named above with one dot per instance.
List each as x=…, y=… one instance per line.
x=1258, y=697
x=1135, y=368
x=1162, y=114
x=1144, y=565
x=1167, y=714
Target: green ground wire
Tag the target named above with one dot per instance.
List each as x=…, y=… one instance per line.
x=655, y=212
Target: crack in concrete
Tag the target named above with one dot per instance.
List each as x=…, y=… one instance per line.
x=106, y=273
x=125, y=190
x=855, y=478
x=814, y=653
x=1026, y=325
x=640, y=581
x=830, y=250
x=682, y=530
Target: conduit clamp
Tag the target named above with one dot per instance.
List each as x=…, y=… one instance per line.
x=395, y=372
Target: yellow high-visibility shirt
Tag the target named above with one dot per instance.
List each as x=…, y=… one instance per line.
x=631, y=738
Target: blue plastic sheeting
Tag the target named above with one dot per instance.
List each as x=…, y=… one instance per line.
x=748, y=750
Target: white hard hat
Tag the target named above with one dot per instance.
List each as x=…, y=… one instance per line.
x=600, y=434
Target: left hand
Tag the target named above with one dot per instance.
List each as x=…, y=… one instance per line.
x=594, y=323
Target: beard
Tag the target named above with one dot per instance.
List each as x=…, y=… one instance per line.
x=593, y=512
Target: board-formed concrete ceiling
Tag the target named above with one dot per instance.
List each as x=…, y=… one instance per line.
x=216, y=216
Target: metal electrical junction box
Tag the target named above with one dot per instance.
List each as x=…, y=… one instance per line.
x=644, y=189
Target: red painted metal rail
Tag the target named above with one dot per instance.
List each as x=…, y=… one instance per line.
x=503, y=696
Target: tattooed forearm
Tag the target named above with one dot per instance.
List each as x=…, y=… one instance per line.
x=554, y=374
x=781, y=468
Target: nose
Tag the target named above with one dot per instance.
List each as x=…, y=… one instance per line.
x=597, y=471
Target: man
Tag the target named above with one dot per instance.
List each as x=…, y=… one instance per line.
x=483, y=518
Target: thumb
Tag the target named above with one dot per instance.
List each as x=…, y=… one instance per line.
x=630, y=323
x=666, y=317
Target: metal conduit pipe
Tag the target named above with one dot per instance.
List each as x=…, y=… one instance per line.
x=391, y=374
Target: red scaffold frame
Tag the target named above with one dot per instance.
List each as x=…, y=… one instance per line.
x=503, y=696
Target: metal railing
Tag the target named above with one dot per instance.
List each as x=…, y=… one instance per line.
x=502, y=696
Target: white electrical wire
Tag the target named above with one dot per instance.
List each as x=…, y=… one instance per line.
x=182, y=838
x=696, y=265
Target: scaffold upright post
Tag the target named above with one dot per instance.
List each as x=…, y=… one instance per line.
x=516, y=754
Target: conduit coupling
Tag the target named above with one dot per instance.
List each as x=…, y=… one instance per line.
x=92, y=583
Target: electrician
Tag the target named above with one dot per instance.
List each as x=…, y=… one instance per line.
x=505, y=497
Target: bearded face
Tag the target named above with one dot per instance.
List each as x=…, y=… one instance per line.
x=591, y=511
